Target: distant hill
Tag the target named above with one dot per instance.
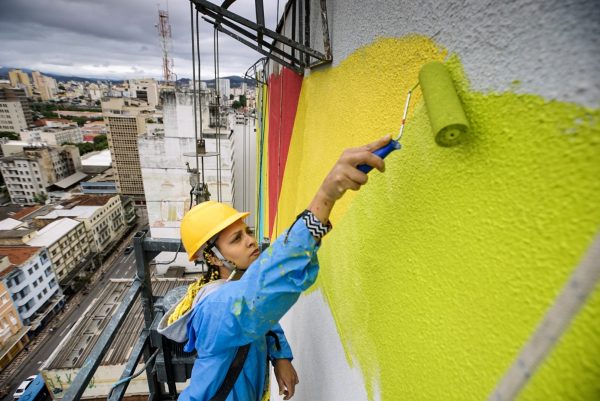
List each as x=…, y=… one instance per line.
x=4, y=75
x=235, y=81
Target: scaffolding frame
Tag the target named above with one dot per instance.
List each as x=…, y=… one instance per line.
x=254, y=34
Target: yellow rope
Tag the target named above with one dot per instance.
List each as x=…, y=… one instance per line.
x=186, y=303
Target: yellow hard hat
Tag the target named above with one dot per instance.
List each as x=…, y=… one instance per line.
x=204, y=221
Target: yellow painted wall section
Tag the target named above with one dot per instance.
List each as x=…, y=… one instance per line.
x=439, y=270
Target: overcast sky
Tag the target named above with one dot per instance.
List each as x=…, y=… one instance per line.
x=115, y=39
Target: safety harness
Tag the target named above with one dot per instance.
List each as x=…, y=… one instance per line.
x=236, y=368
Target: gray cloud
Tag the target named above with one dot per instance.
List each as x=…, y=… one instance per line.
x=114, y=38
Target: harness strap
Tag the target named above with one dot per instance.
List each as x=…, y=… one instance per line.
x=271, y=333
x=236, y=368
x=232, y=374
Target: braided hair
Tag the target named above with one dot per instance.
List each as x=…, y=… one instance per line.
x=186, y=303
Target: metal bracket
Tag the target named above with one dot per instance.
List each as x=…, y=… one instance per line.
x=253, y=34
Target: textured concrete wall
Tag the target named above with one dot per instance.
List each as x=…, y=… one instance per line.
x=546, y=47
x=440, y=269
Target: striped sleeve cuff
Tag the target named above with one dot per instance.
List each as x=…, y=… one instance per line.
x=314, y=225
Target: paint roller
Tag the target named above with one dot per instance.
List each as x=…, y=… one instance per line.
x=446, y=115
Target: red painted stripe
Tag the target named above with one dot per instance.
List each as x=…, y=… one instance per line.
x=284, y=93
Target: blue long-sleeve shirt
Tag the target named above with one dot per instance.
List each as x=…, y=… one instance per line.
x=243, y=311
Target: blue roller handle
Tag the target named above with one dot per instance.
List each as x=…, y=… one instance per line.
x=381, y=152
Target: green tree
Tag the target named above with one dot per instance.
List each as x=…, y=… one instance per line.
x=236, y=104
x=40, y=198
x=84, y=147
x=243, y=100
x=79, y=120
x=100, y=142
x=10, y=135
x=49, y=114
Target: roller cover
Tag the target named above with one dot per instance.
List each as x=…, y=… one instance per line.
x=446, y=114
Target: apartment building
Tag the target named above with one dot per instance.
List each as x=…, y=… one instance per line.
x=13, y=335
x=32, y=284
x=45, y=86
x=94, y=92
x=55, y=134
x=103, y=216
x=28, y=174
x=126, y=121
x=20, y=79
x=224, y=88
x=144, y=89
x=24, y=179
x=14, y=94
x=69, y=246
x=12, y=117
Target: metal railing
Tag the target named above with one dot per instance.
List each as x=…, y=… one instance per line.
x=145, y=249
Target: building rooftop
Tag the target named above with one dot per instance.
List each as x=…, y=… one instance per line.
x=9, y=224
x=17, y=255
x=71, y=180
x=17, y=156
x=4, y=234
x=101, y=158
x=26, y=212
x=107, y=175
x=9, y=210
x=87, y=200
x=45, y=121
x=53, y=232
x=82, y=212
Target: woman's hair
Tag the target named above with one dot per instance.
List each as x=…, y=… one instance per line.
x=212, y=273
x=187, y=301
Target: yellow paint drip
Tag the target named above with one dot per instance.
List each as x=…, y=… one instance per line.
x=440, y=269
x=237, y=308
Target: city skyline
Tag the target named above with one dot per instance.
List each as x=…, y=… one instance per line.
x=115, y=40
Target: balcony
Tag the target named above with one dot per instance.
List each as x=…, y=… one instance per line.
x=5, y=332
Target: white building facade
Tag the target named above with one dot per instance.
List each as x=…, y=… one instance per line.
x=69, y=246
x=144, y=89
x=57, y=134
x=32, y=283
x=24, y=179
x=28, y=174
x=103, y=216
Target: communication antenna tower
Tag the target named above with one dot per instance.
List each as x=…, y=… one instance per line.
x=164, y=32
